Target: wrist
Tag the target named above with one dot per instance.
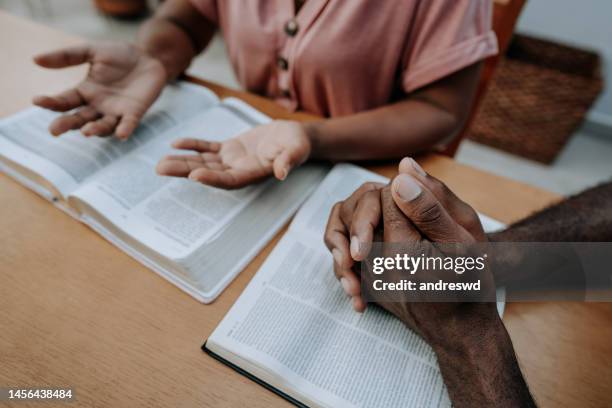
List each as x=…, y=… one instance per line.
x=470, y=322
x=480, y=368
x=151, y=59
x=161, y=41
x=312, y=130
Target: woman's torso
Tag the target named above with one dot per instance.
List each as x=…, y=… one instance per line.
x=335, y=57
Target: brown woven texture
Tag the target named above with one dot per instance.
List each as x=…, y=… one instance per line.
x=538, y=97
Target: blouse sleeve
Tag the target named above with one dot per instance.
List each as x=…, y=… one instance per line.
x=446, y=36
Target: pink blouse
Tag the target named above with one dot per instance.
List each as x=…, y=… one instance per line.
x=339, y=57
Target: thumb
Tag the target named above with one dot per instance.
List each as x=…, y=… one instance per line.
x=283, y=163
x=426, y=211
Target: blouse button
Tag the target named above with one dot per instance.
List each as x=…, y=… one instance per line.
x=282, y=63
x=291, y=27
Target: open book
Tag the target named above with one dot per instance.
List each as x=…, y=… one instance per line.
x=197, y=237
x=293, y=329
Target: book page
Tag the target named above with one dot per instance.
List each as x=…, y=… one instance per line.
x=67, y=161
x=213, y=266
x=294, y=321
x=172, y=216
x=340, y=183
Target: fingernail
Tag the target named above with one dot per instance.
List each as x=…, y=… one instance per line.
x=406, y=187
x=193, y=177
x=417, y=168
x=283, y=174
x=337, y=256
x=345, y=285
x=356, y=303
x=354, y=246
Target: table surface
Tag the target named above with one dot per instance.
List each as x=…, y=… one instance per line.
x=77, y=312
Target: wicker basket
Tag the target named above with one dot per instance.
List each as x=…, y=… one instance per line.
x=537, y=99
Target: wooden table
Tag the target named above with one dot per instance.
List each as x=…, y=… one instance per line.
x=77, y=312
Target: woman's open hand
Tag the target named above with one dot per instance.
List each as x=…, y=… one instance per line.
x=121, y=84
x=266, y=150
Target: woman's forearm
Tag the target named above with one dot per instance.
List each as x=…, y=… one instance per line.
x=175, y=35
x=390, y=132
x=428, y=117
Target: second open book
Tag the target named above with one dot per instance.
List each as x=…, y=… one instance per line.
x=293, y=329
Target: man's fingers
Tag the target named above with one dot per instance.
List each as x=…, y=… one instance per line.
x=65, y=57
x=350, y=283
x=337, y=242
x=101, y=127
x=197, y=145
x=425, y=211
x=409, y=166
x=365, y=220
x=458, y=209
x=349, y=205
x=359, y=305
x=61, y=102
x=74, y=120
x=351, y=201
x=397, y=228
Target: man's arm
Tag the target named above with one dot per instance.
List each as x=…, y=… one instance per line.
x=474, y=350
x=550, y=271
x=479, y=366
x=175, y=35
x=428, y=117
x=585, y=217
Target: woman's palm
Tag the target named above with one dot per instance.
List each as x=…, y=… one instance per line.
x=121, y=84
x=264, y=151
